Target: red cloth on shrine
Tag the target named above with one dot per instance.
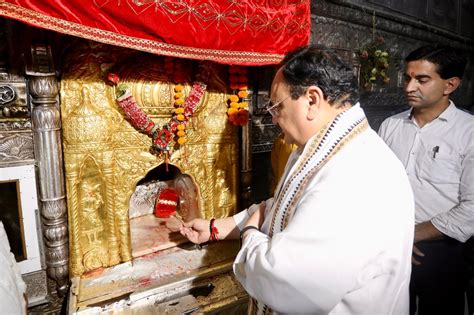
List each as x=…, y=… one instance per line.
x=233, y=32
x=166, y=203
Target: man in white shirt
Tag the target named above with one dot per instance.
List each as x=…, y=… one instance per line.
x=435, y=142
x=336, y=238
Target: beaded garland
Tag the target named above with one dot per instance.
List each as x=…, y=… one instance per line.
x=161, y=136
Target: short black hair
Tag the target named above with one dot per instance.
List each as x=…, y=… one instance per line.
x=450, y=62
x=320, y=66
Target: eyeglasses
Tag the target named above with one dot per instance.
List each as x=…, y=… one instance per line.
x=273, y=109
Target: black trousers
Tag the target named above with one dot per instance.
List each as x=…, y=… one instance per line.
x=441, y=280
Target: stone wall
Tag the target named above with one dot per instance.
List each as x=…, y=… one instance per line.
x=349, y=25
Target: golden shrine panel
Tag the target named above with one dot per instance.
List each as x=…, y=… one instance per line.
x=105, y=157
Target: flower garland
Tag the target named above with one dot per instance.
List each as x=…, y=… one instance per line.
x=237, y=103
x=175, y=69
x=161, y=136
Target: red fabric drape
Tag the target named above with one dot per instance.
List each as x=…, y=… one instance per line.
x=227, y=31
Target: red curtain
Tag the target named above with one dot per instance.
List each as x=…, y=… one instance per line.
x=226, y=31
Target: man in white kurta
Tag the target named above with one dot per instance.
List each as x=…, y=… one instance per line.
x=347, y=248
x=336, y=237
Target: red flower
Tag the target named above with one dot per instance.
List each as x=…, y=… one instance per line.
x=240, y=118
x=162, y=139
x=113, y=78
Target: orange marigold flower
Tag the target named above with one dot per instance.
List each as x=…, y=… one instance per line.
x=181, y=127
x=179, y=110
x=181, y=133
x=234, y=105
x=232, y=111
x=180, y=117
x=244, y=105
x=179, y=95
x=178, y=88
x=234, y=98
x=243, y=93
x=181, y=140
x=179, y=101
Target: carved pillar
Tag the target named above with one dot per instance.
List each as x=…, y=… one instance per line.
x=46, y=123
x=246, y=162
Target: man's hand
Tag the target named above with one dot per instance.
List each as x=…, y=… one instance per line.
x=197, y=230
x=256, y=219
x=423, y=232
x=416, y=252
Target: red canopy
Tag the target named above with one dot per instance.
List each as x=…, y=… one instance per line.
x=226, y=31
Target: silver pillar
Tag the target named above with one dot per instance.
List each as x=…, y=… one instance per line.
x=46, y=123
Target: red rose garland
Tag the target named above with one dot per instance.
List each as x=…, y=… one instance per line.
x=238, y=102
x=161, y=136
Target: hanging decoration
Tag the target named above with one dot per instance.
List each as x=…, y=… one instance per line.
x=162, y=136
x=375, y=61
x=238, y=106
x=228, y=32
x=176, y=71
x=374, y=64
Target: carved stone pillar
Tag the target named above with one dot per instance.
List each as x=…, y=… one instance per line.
x=46, y=123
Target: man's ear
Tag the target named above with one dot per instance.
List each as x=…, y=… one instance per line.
x=451, y=85
x=315, y=98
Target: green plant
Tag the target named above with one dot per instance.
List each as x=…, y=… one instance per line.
x=374, y=63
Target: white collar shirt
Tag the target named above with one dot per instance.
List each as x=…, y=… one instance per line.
x=439, y=160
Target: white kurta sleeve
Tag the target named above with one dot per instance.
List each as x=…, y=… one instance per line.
x=242, y=217
x=306, y=264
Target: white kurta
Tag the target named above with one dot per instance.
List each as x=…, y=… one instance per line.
x=12, y=286
x=347, y=249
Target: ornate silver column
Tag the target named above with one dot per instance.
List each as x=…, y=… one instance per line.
x=46, y=123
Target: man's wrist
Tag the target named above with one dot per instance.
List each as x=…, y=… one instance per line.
x=427, y=231
x=247, y=228
x=214, y=232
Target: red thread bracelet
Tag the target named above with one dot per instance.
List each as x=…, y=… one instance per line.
x=213, y=230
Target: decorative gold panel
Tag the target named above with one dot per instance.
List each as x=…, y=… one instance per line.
x=105, y=156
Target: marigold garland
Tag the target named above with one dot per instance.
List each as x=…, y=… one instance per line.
x=161, y=136
x=175, y=69
x=238, y=105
